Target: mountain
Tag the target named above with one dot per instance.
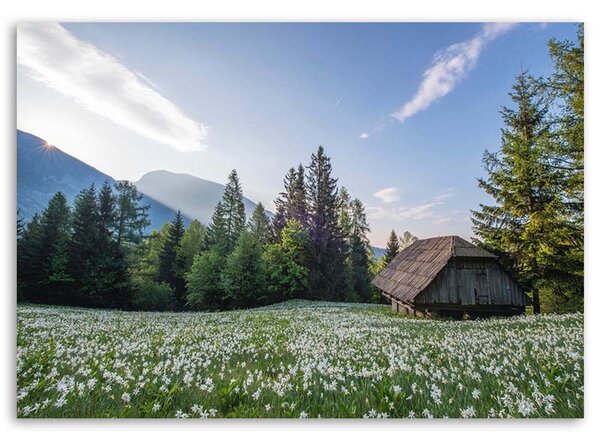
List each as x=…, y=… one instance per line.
x=43, y=170
x=195, y=197
x=378, y=252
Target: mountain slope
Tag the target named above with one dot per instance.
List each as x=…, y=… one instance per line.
x=43, y=170
x=195, y=196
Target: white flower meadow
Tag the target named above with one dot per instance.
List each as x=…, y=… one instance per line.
x=296, y=359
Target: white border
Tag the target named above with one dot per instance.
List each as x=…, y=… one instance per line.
x=306, y=10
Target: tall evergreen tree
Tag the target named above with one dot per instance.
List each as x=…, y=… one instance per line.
x=131, y=215
x=523, y=225
x=260, y=225
x=359, y=251
x=282, y=204
x=113, y=280
x=565, y=91
x=229, y=218
x=171, y=267
x=298, y=209
x=391, y=249
x=83, y=248
x=43, y=259
x=326, y=240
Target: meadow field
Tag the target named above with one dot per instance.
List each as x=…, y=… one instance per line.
x=298, y=359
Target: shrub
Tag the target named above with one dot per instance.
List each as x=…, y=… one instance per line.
x=205, y=289
x=150, y=295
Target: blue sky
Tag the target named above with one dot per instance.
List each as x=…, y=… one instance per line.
x=404, y=110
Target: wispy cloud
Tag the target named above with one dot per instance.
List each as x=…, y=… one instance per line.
x=448, y=68
x=388, y=195
x=339, y=101
x=419, y=212
x=103, y=85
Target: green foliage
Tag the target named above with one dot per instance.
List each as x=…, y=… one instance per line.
x=287, y=263
x=131, y=215
x=229, y=218
x=42, y=254
x=193, y=242
x=153, y=296
x=204, y=284
x=260, y=225
x=531, y=226
x=296, y=359
x=327, y=258
x=171, y=260
x=244, y=273
x=391, y=249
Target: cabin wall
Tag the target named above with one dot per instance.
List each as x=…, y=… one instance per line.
x=472, y=282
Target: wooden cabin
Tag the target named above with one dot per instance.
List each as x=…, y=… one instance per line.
x=449, y=277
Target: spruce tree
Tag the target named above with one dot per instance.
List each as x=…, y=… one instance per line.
x=229, y=218
x=297, y=209
x=326, y=241
x=216, y=232
x=171, y=267
x=83, y=249
x=565, y=90
x=28, y=262
x=291, y=204
x=260, y=225
x=113, y=276
x=391, y=249
x=359, y=251
x=44, y=255
x=282, y=204
x=131, y=215
x=521, y=225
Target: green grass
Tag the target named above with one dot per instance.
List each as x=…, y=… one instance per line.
x=296, y=359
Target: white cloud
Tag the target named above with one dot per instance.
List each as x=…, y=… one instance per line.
x=388, y=195
x=449, y=67
x=103, y=85
x=419, y=212
x=399, y=214
x=363, y=135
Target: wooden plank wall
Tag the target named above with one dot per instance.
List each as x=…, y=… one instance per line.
x=457, y=282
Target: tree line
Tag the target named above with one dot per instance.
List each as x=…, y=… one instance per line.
x=315, y=246
x=535, y=224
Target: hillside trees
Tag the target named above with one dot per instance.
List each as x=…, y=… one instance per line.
x=78, y=256
x=43, y=253
x=100, y=256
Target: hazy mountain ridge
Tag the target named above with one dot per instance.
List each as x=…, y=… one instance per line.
x=43, y=170
x=196, y=197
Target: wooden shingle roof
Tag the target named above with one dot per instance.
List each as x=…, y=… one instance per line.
x=415, y=267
